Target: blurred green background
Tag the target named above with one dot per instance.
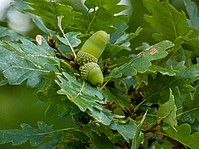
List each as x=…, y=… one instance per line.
x=19, y=104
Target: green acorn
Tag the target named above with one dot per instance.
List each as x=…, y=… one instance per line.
x=92, y=73
x=92, y=48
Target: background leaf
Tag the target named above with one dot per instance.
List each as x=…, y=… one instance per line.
x=159, y=92
x=190, y=107
x=127, y=130
x=138, y=138
x=49, y=14
x=183, y=135
x=18, y=137
x=169, y=23
x=192, y=11
x=100, y=140
x=103, y=15
x=167, y=111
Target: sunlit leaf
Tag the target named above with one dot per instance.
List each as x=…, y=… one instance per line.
x=27, y=61
x=142, y=62
x=49, y=14
x=85, y=97
x=162, y=70
x=5, y=32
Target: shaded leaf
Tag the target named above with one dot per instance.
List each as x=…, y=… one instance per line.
x=143, y=60
x=27, y=61
x=139, y=137
x=127, y=130
x=119, y=40
x=183, y=135
x=72, y=38
x=169, y=23
x=121, y=28
x=35, y=136
x=192, y=11
x=100, y=141
x=190, y=107
x=111, y=50
x=167, y=111
x=185, y=76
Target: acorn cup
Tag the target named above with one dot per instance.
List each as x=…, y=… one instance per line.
x=92, y=73
x=88, y=56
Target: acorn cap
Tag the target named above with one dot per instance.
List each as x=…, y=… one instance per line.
x=96, y=44
x=92, y=73
x=83, y=58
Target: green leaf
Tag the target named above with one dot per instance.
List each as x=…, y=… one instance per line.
x=100, y=141
x=165, y=144
x=49, y=14
x=5, y=32
x=139, y=137
x=72, y=39
x=85, y=97
x=35, y=136
x=162, y=70
x=159, y=92
x=190, y=107
x=121, y=28
x=22, y=6
x=142, y=62
x=191, y=45
x=183, y=135
x=27, y=61
x=192, y=11
x=127, y=130
x=102, y=15
x=167, y=111
x=111, y=50
x=119, y=41
x=169, y=23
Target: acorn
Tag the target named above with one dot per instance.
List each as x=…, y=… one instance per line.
x=92, y=73
x=92, y=48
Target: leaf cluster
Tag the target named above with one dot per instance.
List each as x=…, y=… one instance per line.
x=150, y=95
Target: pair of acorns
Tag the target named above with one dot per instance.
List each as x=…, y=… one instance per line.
x=88, y=57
